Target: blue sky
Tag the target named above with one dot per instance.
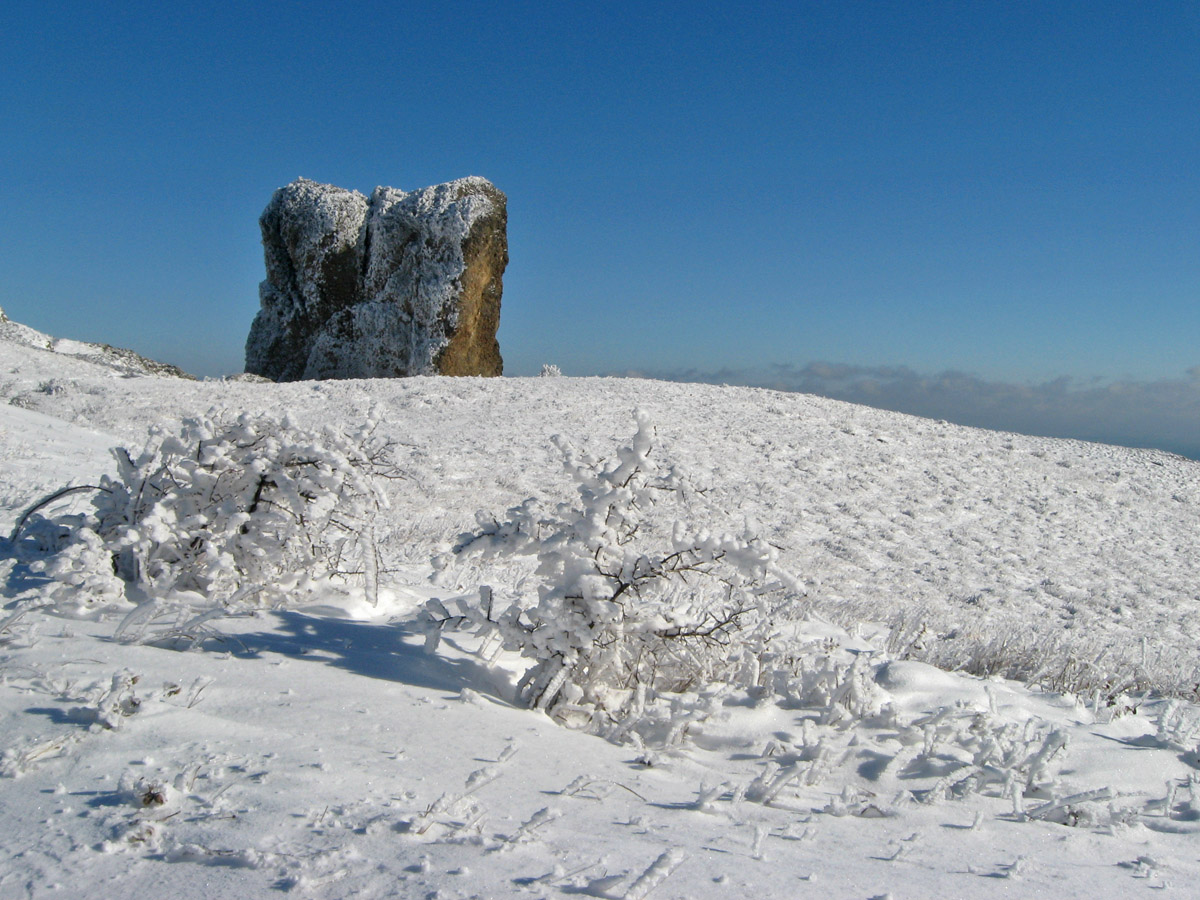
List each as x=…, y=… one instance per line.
x=1003, y=191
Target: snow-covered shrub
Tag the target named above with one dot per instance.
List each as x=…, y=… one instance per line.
x=632, y=598
x=223, y=514
x=549, y=370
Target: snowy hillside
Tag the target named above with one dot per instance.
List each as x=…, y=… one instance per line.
x=324, y=750
x=126, y=362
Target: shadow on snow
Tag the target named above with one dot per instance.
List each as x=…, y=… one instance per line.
x=391, y=652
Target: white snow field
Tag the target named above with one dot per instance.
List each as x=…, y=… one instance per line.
x=330, y=750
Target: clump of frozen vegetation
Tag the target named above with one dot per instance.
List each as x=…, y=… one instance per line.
x=222, y=515
x=632, y=598
x=640, y=625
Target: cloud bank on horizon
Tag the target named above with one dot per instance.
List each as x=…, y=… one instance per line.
x=1163, y=414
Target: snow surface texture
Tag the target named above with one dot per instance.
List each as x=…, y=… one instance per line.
x=323, y=751
x=361, y=288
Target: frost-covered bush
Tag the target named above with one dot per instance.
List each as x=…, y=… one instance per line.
x=632, y=596
x=223, y=514
x=549, y=370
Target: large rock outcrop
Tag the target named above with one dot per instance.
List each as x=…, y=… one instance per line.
x=394, y=285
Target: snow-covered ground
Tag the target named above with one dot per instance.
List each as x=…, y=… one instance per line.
x=325, y=752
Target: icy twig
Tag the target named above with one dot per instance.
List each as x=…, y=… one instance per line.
x=760, y=835
x=1048, y=809
x=658, y=872
x=539, y=819
x=46, y=501
x=15, y=762
x=770, y=791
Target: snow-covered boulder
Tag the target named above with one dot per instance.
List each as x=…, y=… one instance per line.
x=392, y=285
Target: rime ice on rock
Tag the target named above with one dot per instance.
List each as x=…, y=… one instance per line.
x=398, y=284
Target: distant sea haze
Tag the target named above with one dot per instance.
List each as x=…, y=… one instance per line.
x=1161, y=415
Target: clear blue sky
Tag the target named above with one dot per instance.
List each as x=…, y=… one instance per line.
x=1008, y=190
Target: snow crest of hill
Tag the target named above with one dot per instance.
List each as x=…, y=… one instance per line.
x=125, y=362
x=326, y=750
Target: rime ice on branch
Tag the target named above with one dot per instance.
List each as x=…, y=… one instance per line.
x=398, y=284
